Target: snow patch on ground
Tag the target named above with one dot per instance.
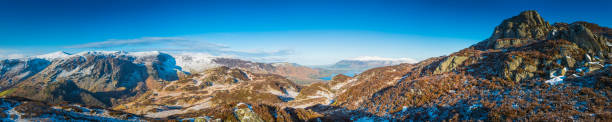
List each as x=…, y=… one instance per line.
x=199, y=106
x=276, y=92
x=88, y=70
x=164, y=114
x=195, y=62
x=173, y=110
x=555, y=80
x=588, y=57
x=22, y=75
x=292, y=93
x=17, y=68
x=322, y=94
x=68, y=73
x=302, y=106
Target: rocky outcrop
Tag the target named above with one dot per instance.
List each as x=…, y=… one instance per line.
x=449, y=64
x=518, y=30
x=517, y=68
x=591, y=39
x=527, y=25
x=524, y=66
x=528, y=28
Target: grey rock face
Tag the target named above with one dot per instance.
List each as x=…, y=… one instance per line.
x=450, y=64
x=13, y=71
x=578, y=32
x=523, y=28
x=529, y=27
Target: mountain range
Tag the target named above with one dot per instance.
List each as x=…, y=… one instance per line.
x=528, y=70
x=357, y=65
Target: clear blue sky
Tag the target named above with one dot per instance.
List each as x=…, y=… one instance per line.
x=305, y=32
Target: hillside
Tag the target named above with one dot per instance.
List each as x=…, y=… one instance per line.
x=528, y=70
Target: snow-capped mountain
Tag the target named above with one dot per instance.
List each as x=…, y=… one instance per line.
x=195, y=62
x=90, y=78
x=123, y=74
x=376, y=58
x=54, y=55
x=359, y=64
x=367, y=62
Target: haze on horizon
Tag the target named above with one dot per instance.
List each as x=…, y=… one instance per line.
x=303, y=32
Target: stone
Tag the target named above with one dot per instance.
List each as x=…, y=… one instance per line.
x=569, y=61
x=524, y=28
x=450, y=64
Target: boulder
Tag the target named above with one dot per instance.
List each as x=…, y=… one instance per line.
x=450, y=64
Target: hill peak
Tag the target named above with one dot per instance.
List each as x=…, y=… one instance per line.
x=520, y=29
x=530, y=17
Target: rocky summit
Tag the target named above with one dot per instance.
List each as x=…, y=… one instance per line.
x=528, y=70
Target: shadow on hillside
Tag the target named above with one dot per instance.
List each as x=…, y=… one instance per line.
x=68, y=91
x=341, y=114
x=166, y=67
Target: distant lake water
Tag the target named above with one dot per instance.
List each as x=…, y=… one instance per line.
x=351, y=74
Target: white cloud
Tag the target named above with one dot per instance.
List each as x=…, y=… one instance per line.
x=10, y=54
x=148, y=41
x=185, y=45
x=13, y=56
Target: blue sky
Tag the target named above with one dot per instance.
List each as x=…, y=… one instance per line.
x=305, y=32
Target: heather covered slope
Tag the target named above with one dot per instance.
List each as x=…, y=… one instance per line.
x=297, y=73
x=528, y=70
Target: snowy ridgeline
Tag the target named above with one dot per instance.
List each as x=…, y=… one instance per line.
x=190, y=62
